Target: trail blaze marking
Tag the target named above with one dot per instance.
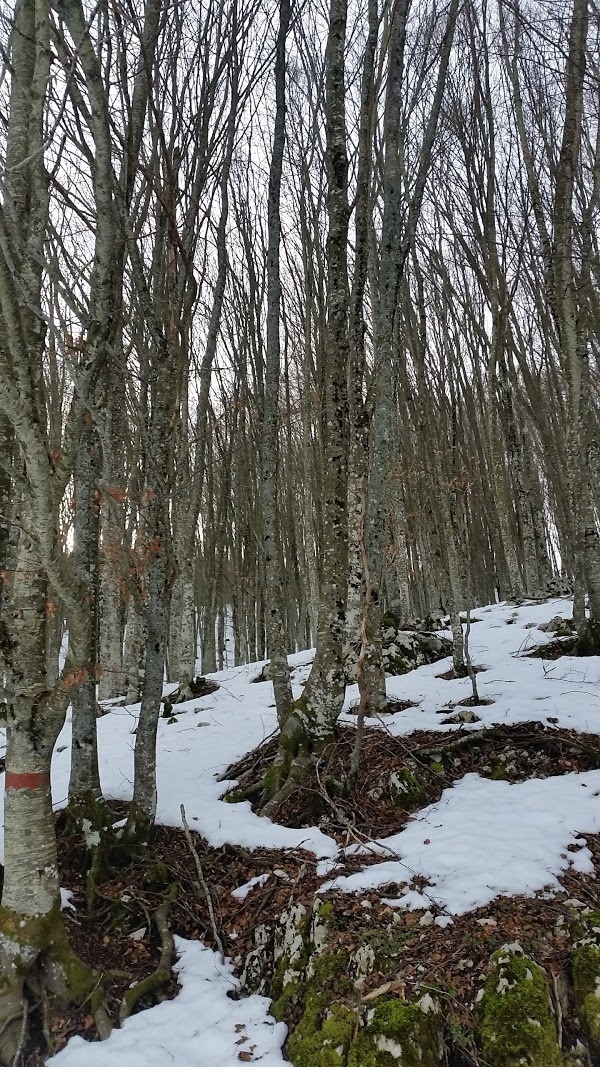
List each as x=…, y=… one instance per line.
x=30, y=780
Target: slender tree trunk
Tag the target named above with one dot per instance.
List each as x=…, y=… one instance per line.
x=276, y=630
x=133, y=656
x=309, y=729
x=84, y=782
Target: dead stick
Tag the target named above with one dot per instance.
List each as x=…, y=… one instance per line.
x=203, y=882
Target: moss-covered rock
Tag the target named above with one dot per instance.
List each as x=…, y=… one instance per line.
x=326, y=1026
x=585, y=965
x=318, y=931
x=378, y=950
x=397, y=1032
x=516, y=1024
x=406, y=789
x=257, y=974
x=323, y=1040
x=402, y=650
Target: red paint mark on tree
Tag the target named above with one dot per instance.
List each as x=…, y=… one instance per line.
x=29, y=780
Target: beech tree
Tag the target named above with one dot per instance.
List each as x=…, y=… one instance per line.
x=31, y=924
x=294, y=337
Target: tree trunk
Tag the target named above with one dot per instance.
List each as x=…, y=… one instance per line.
x=84, y=782
x=31, y=922
x=309, y=729
x=276, y=629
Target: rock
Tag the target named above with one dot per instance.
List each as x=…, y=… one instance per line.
x=405, y=789
x=515, y=1016
x=256, y=973
x=402, y=649
x=326, y=1026
x=560, y=585
x=399, y=1032
x=289, y=943
x=362, y=963
x=462, y=716
x=585, y=966
x=558, y=626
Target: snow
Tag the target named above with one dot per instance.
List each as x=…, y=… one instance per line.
x=202, y=1025
x=483, y=839
x=242, y=891
x=523, y=690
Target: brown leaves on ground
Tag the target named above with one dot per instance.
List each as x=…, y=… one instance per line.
x=119, y=938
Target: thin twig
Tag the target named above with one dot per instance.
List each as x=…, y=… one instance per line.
x=203, y=882
x=22, y=1035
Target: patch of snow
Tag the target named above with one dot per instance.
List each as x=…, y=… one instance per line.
x=201, y=1026
x=242, y=890
x=485, y=839
x=66, y=897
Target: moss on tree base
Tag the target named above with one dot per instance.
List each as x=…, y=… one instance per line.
x=37, y=948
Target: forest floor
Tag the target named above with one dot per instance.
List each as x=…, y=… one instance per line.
x=469, y=835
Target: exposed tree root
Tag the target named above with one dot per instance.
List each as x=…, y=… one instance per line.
x=296, y=776
x=159, y=978
x=36, y=960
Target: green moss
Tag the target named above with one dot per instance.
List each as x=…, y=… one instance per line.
x=321, y=1030
x=147, y=987
x=158, y=876
x=322, y=1040
x=283, y=1005
x=386, y=946
x=397, y=665
x=326, y=910
x=48, y=937
x=277, y=983
x=585, y=927
x=516, y=1022
x=398, y=1033
x=437, y=767
x=498, y=772
x=585, y=965
x=406, y=789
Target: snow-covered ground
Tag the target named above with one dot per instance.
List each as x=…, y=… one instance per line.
x=201, y=1026
x=481, y=840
